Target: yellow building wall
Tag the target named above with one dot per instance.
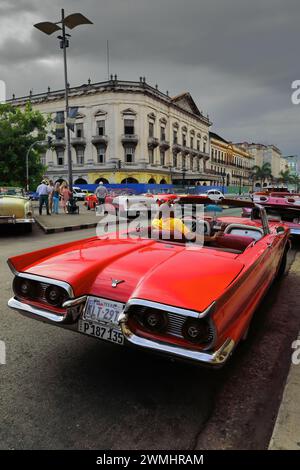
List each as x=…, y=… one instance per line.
x=118, y=176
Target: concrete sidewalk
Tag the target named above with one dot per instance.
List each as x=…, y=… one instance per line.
x=286, y=433
x=61, y=222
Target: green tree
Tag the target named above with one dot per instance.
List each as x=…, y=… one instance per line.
x=19, y=128
x=284, y=176
x=262, y=173
x=295, y=180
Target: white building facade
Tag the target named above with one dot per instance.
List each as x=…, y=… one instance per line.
x=126, y=132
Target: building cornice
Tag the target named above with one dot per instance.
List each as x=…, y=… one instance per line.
x=115, y=86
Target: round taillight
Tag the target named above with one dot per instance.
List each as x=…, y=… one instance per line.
x=196, y=331
x=24, y=287
x=155, y=320
x=54, y=295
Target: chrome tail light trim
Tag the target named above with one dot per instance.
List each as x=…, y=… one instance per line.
x=216, y=358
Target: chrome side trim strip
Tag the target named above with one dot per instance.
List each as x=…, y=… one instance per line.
x=55, y=282
x=215, y=358
x=170, y=308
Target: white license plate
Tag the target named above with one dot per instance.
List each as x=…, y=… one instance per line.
x=103, y=311
x=101, y=331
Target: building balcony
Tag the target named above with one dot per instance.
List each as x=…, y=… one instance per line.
x=153, y=142
x=204, y=155
x=164, y=145
x=184, y=150
x=193, y=152
x=59, y=142
x=100, y=139
x=78, y=141
x=176, y=148
x=129, y=139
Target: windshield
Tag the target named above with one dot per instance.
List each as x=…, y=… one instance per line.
x=11, y=192
x=284, y=214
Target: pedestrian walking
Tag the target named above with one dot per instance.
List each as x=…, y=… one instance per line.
x=65, y=196
x=51, y=187
x=43, y=191
x=101, y=193
x=56, y=196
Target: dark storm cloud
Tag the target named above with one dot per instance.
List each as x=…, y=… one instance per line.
x=236, y=57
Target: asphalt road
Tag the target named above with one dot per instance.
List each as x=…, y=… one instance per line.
x=61, y=390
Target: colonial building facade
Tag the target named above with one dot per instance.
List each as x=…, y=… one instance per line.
x=230, y=164
x=266, y=154
x=127, y=132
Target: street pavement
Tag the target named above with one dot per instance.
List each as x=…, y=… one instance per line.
x=286, y=434
x=61, y=390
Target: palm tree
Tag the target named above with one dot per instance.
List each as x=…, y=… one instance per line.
x=295, y=180
x=261, y=173
x=285, y=177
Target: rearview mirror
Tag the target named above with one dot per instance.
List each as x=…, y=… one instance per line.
x=280, y=229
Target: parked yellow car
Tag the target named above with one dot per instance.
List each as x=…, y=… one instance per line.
x=15, y=208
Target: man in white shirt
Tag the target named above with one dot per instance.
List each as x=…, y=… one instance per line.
x=101, y=193
x=43, y=191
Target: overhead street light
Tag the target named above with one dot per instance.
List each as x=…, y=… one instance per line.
x=48, y=27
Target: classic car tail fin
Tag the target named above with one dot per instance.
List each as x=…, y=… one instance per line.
x=22, y=262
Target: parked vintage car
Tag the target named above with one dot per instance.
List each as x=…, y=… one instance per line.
x=213, y=194
x=79, y=194
x=91, y=201
x=281, y=206
x=15, y=208
x=130, y=205
x=185, y=300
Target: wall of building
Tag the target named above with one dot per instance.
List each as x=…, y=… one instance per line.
x=114, y=103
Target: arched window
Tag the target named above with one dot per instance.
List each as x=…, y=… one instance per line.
x=80, y=181
x=103, y=180
x=163, y=181
x=129, y=180
x=60, y=181
x=151, y=181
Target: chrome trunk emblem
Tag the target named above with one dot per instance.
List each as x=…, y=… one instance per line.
x=115, y=282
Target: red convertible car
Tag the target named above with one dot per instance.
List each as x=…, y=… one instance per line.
x=191, y=302
x=282, y=206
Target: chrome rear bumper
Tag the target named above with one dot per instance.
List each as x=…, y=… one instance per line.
x=74, y=307
x=73, y=310
x=215, y=358
x=12, y=219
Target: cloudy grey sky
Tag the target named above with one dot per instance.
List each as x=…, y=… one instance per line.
x=237, y=58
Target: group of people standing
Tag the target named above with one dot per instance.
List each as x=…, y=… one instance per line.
x=50, y=195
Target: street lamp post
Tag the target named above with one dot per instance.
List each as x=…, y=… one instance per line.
x=223, y=174
x=183, y=175
x=47, y=27
x=170, y=170
x=240, y=187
